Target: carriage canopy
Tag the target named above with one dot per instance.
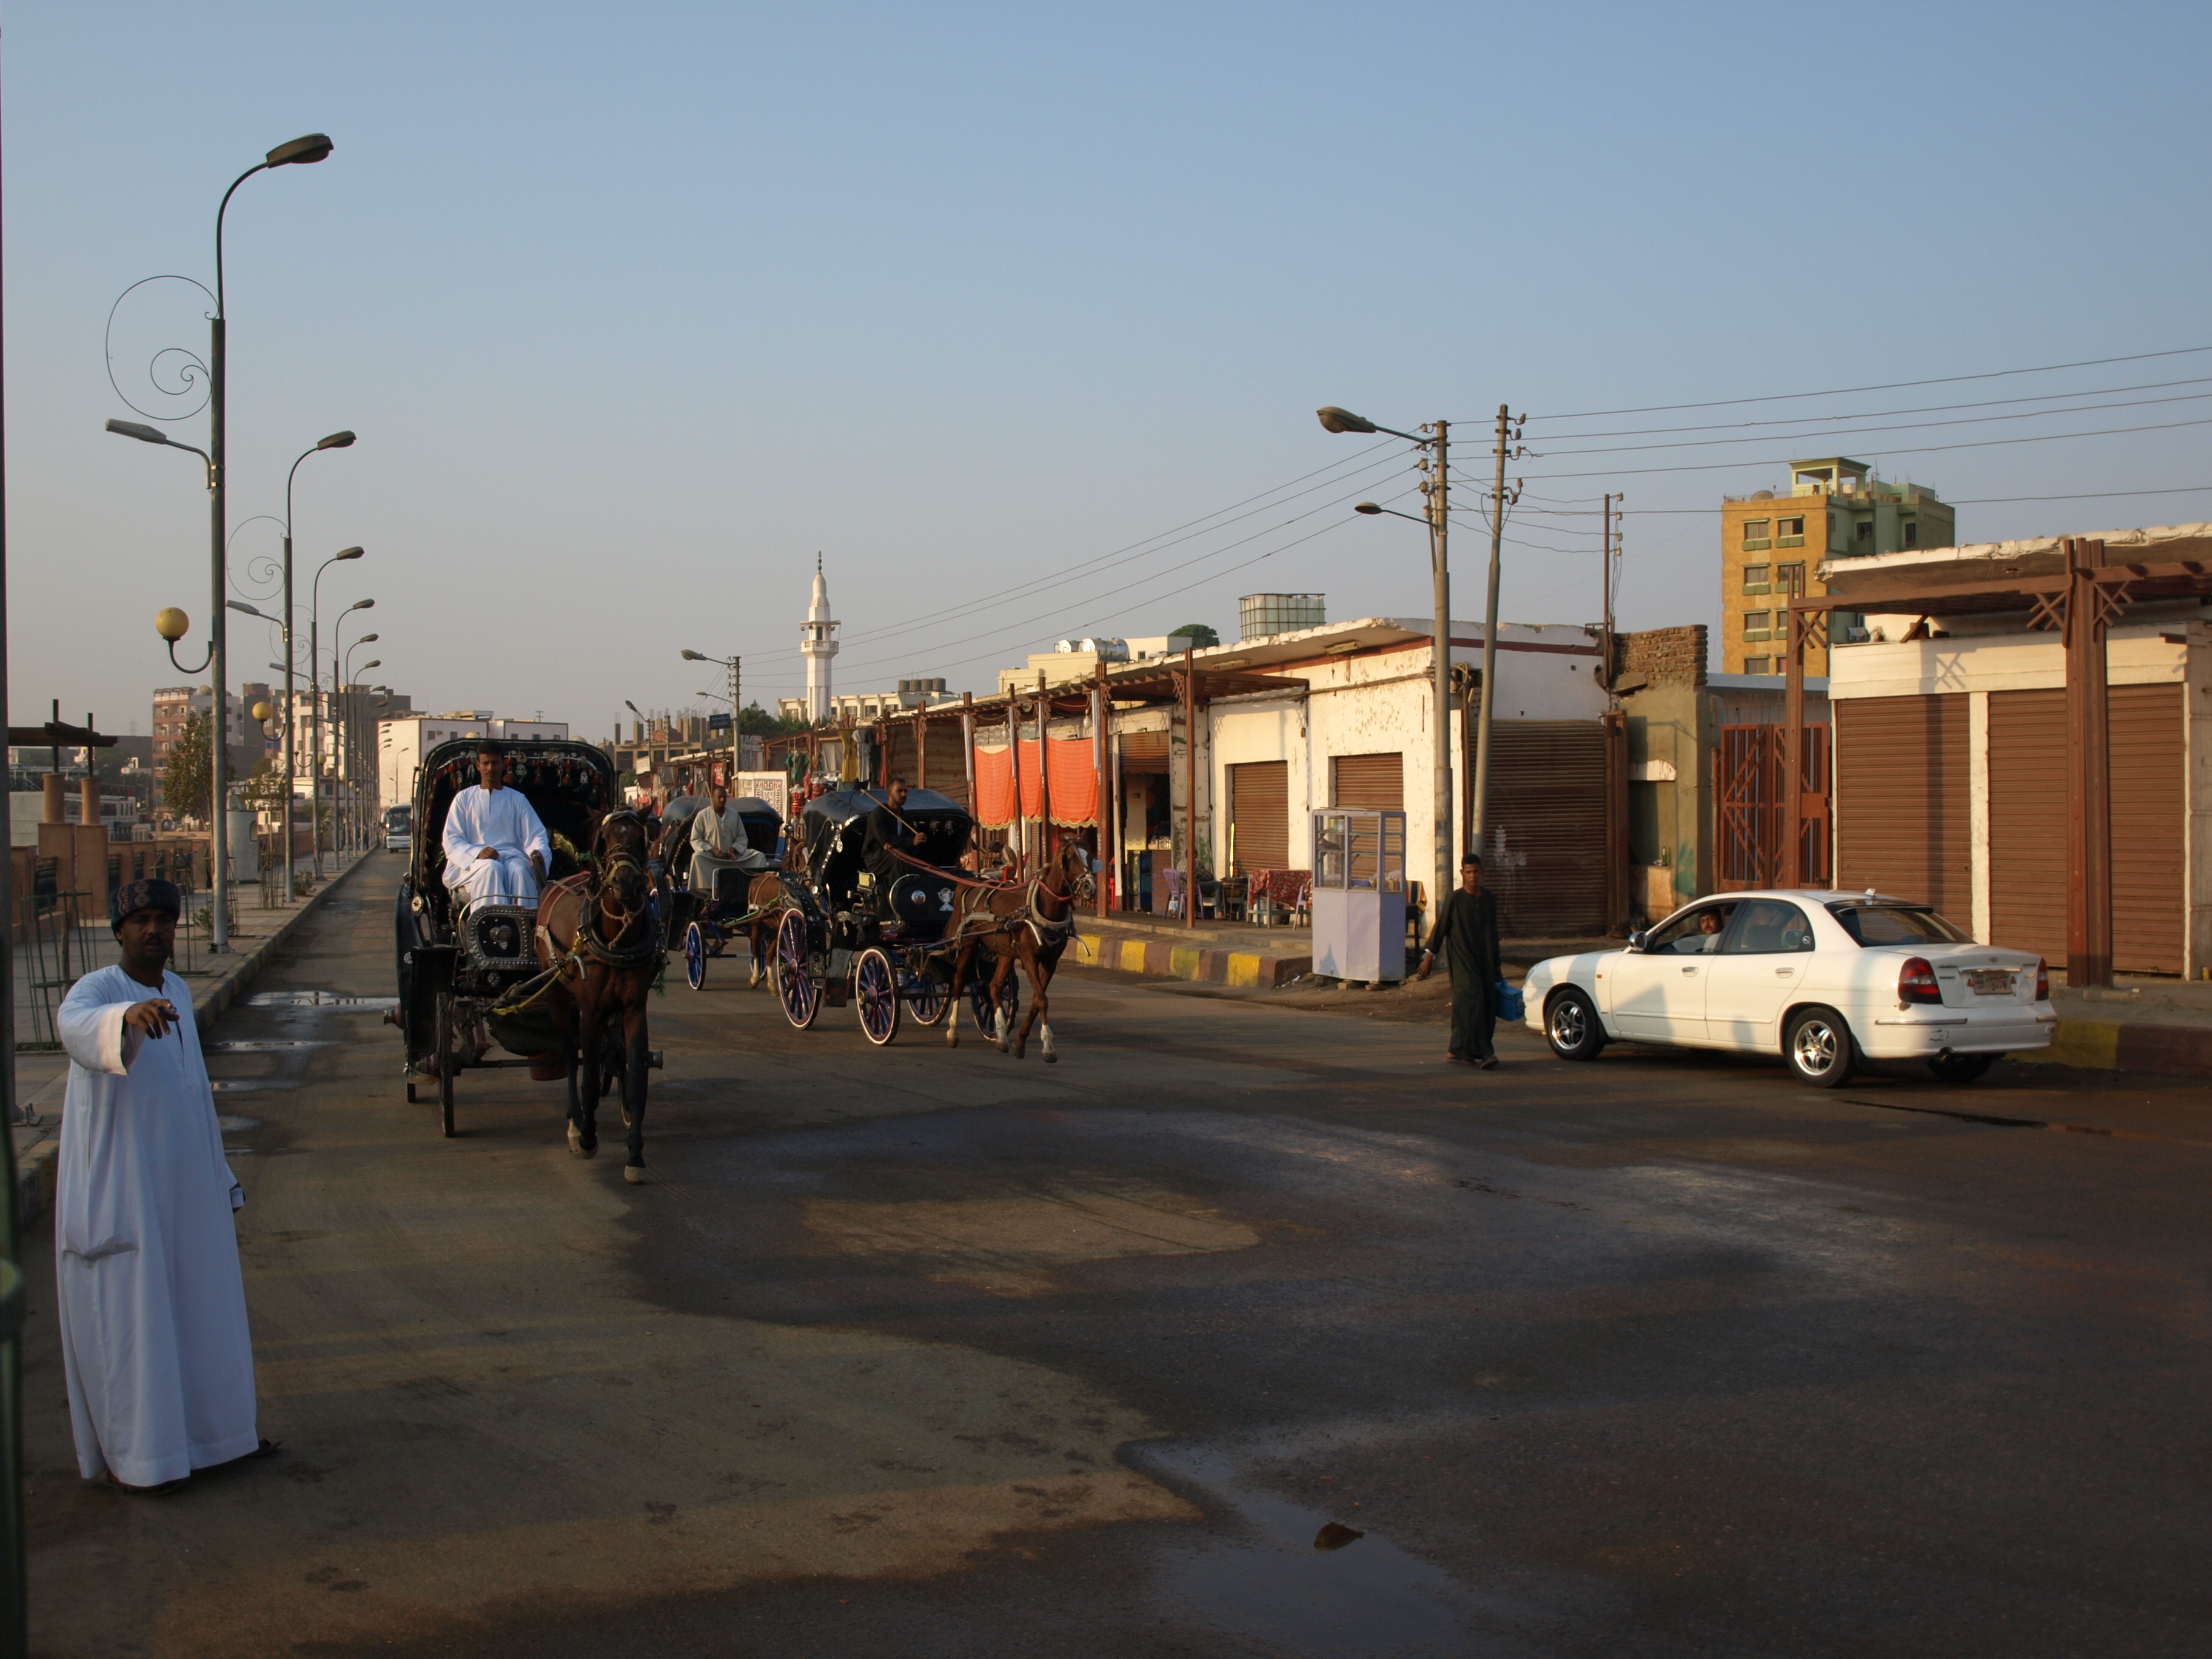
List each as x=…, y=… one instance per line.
x=570, y=785
x=836, y=830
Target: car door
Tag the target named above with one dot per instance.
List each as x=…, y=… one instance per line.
x=1763, y=957
x=1659, y=992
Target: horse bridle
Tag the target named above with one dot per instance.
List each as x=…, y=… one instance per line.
x=601, y=889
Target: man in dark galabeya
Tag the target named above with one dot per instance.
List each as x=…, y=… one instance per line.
x=1467, y=928
x=890, y=834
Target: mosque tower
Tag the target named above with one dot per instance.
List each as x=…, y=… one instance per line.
x=818, y=644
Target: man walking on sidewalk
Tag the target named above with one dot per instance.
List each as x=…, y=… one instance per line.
x=1466, y=926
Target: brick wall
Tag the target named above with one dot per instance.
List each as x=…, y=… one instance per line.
x=1663, y=656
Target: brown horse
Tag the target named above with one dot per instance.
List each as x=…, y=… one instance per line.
x=764, y=906
x=597, y=930
x=1029, y=922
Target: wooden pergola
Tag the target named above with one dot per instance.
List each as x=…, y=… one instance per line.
x=2079, y=601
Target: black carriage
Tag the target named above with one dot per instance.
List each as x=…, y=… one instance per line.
x=881, y=946
x=705, y=920
x=460, y=976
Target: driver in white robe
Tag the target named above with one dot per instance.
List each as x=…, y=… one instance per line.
x=496, y=849
x=154, y=1345
x=718, y=843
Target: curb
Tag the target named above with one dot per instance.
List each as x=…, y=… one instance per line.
x=1160, y=960
x=37, y=1168
x=2111, y=1045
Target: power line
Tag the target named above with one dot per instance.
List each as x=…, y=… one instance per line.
x=1889, y=385
x=1924, y=449
x=1854, y=432
x=1878, y=414
x=1970, y=501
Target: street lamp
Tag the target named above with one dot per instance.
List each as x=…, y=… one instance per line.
x=300, y=152
x=357, y=744
x=315, y=694
x=1434, y=441
x=336, y=440
x=342, y=712
x=730, y=663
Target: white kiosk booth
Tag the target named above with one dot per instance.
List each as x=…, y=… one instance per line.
x=1360, y=894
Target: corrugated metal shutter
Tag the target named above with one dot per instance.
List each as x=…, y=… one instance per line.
x=2150, y=891
x=948, y=760
x=1902, y=799
x=1144, y=751
x=1545, y=859
x=2028, y=821
x=1373, y=783
x=1260, y=816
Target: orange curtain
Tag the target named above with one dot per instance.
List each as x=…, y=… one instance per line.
x=1074, y=783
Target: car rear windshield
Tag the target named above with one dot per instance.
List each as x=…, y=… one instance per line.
x=1897, y=924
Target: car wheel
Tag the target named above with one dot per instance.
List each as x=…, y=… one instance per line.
x=1820, y=1049
x=1960, y=1068
x=1570, y=1022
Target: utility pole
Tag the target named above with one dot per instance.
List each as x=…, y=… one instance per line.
x=1605, y=577
x=1499, y=502
x=1435, y=463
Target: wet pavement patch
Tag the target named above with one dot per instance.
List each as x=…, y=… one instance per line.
x=251, y=1085
x=1288, y=1581
x=235, y=1126
x=333, y=999
x=261, y=1045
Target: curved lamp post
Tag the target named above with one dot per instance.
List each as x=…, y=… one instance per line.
x=730, y=663
x=356, y=749
x=336, y=440
x=300, y=152
x=315, y=694
x=1434, y=441
x=342, y=714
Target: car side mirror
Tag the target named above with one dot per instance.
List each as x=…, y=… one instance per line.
x=1636, y=938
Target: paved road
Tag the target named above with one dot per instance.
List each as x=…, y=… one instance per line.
x=934, y=1352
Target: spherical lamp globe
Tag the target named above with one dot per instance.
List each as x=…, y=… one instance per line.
x=171, y=625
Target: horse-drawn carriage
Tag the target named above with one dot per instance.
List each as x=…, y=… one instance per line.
x=705, y=920
x=459, y=969
x=883, y=945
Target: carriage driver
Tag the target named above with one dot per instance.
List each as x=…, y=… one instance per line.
x=718, y=843
x=890, y=834
x=496, y=849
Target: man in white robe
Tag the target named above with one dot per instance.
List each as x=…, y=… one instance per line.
x=154, y=1344
x=496, y=849
x=718, y=843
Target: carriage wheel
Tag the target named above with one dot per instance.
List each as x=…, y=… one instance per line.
x=448, y=1061
x=694, y=957
x=875, y=987
x=929, y=998
x=794, y=987
x=979, y=1002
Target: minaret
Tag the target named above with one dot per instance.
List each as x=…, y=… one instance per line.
x=818, y=644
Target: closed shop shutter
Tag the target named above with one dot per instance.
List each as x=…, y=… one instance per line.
x=2150, y=891
x=1545, y=859
x=1374, y=783
x=1260, y=816
x=1902, y=800
x=2028, y=821
x=1144, y=751
x=948, y=760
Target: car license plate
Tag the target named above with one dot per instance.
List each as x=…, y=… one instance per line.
x=1991, y=982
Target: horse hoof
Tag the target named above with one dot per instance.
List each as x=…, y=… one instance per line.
x=634, y=1174
x=625, y=1117
x=1021, y=1051
x=575, y=1141
x=1050, y=1058
x=952, y=1037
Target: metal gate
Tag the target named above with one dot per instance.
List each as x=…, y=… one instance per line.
x=1749, y=777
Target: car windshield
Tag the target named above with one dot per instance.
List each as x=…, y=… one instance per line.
x=1897, y=924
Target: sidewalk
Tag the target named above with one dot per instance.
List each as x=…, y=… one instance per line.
x=42, y=1075
x=2137, y=1025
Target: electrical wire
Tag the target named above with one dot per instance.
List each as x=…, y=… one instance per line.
x=1968, y=501
x=1923, y=449
x=1888, y=385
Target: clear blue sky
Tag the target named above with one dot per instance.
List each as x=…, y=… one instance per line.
x=637, y=307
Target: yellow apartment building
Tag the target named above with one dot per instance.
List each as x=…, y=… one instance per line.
x=1771, y=543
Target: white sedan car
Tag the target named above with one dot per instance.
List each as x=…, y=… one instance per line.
x=1824, y=980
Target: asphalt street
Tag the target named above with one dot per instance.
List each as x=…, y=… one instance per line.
x=931, y=1352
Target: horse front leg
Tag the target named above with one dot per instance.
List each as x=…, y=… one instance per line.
x=584, y=1097
x=1041, y=982
x=960, y=956
x=636, y=1054
x=1001, y=1027
x=1025, y=948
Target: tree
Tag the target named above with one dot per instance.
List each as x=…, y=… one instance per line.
x=188, y=780
x=1201, y=635
x=757, y=722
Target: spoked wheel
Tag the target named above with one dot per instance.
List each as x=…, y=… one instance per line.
x=928, y=999
x=794, y=985
x=448, y=1063
x=979, y=1004
x=694, y=957
x=875, y=987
